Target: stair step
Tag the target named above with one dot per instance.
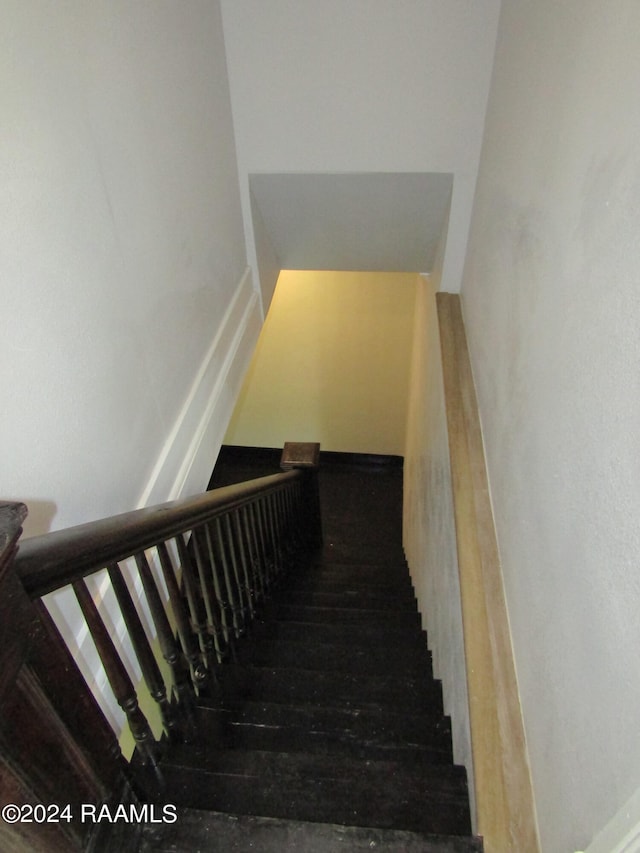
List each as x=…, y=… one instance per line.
x=338, y=657
x=324, y=789
x=411, y=640
x=392, y=562
x=405, y=619
x=397, y=572
x=293, y=686
x=347, y=599
x=289, y=728
x=381, y=725
x=313, y=578
x=337, y=585
x=206, y=830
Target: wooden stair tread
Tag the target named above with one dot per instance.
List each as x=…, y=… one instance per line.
x=232, y=833
x=310, y=787
x=282, y=728
x=392, y=723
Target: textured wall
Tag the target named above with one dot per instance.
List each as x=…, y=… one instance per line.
x=121, y=244
x=332, y=364
x=552, y=309
x=128, y=311
x=428, y=527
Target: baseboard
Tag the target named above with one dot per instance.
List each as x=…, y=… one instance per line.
x=505, y=808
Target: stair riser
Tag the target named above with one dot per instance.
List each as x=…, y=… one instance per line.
x=350, y=616
x=336, y=584
x=291, y=686
x=339, y=658
x=348, y=599
x=406, y=641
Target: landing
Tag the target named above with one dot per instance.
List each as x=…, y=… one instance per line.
x=361, y=497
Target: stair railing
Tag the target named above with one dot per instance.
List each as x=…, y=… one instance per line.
x=204, y=566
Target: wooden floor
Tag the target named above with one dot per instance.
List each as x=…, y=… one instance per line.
x=329, y=732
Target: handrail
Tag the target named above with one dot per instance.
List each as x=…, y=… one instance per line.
x=204, y=567
x=49, y=562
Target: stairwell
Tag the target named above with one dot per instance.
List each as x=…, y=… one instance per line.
x=328, y=726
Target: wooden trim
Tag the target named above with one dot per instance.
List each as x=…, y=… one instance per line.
x=504, y=796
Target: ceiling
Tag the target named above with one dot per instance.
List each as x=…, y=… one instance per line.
x=354, y=221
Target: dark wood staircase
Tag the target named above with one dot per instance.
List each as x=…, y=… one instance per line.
x=327, y=730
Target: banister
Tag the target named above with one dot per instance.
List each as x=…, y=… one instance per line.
x=220, y=554
x=49, y=562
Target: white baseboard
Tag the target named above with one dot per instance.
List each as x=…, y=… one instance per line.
x=622, y=833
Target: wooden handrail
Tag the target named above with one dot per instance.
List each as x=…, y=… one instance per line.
x=220, y=554
x=49, y=562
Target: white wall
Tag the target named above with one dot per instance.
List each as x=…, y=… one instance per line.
x=429, y=534
x=552, y=307
x=363, y=86
x=128, y=311
x=127, y=314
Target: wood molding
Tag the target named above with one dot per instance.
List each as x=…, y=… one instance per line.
x=504, y=796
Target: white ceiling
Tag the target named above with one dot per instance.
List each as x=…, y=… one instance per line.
x=372, y=221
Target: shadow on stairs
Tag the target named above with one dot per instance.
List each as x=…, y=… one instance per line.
x=329, y=732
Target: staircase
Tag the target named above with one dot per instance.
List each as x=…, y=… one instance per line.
x=328, y=726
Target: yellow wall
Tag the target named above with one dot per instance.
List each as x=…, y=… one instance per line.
x=332, y=364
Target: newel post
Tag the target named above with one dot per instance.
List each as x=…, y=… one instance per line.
x=306, y=456
x=56, y=748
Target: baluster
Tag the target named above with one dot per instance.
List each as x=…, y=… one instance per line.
x=148, y=664
x=261, y=547
x=245, y=599
x=217, y=588
x=117, y=675
x=281, y=531
x=198, y=623
x=251, y=533
x=293, y=533
x=230, y=582
x=210, y=604
x=275, y=542
x=302, y=521
x=243, y=557
x=168, y=645
x=199, y=672
x=267, y=543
